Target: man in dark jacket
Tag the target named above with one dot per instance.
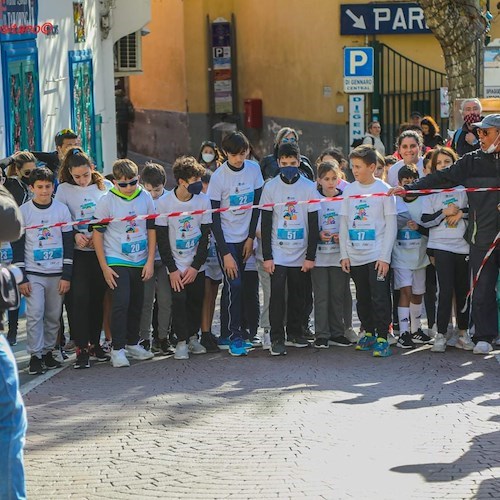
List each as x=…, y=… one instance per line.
x=479, y=168
x=125, y=115
x=465, y=139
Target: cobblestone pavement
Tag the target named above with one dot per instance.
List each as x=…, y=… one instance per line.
x=319, y=424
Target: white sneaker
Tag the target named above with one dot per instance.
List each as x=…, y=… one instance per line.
x=439, y=343
x=266, y=339
x=195, y=347
x=119, y=358
x=482, y=347
x=392, y=339
x=452, y=341
x=138, y=352
x=464, y=341
x=181, y=350
x=351, y=335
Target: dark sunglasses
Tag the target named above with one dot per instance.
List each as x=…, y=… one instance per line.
x=129, y=183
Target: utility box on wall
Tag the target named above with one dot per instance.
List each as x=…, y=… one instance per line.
x=253, y=113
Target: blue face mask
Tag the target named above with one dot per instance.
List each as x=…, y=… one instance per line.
x=195, y=187
x=289, y=173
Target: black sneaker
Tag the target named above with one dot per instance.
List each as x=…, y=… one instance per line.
x=321, y=343
x=82, y=359
x=419, y=337
x=146, y=344
x=49, y=361
x=307, y=333
x=36, y=366
x=166, y=347
x=12, y=338
x=278, y=348
x=96, y=353
x=405, y=341
x=340, y=341
x=209, y=342
x=297, y=342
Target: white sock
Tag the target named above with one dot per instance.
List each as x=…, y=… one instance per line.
x=415, y=315
x=404, y=319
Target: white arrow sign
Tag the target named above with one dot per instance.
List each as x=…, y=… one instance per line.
x=359, y=22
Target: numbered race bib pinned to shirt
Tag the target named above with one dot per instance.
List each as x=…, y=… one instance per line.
x=408, y=238
x=6, y=255
x=134, y=242
x=362, y=234
x=242, y=194
x=48, y=252
x=290, y=231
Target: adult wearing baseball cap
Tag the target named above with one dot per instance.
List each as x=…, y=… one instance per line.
x=480, y=168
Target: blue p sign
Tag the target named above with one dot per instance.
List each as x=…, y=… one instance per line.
x=358, y=61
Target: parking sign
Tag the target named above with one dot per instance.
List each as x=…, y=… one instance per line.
x=358, y=69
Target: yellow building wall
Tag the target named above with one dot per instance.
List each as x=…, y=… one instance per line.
x=287, y=51
x=162, y=86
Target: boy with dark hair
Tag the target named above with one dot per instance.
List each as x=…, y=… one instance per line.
x=126, y=254
x=65, y=139
x=237, y=182
x=289, y=237
x=367, y=233
x=183, y=246
x=409, y=262
x=153, y=179
x=46, y=257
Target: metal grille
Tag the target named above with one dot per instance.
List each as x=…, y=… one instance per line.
x=403, y=86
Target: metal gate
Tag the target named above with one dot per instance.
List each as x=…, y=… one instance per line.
x=402, y=86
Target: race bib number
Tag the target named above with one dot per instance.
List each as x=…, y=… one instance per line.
x=48, y=257
x=187, y=244
x=362, y=238
x=290, y=237
x=134, y=246
x=407, y=238
x=6, y=255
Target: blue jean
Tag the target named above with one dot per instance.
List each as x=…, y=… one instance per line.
x=12, y=427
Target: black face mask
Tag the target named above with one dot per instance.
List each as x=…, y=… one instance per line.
x=195, y=187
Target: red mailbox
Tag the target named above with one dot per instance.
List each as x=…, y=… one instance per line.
x=253, y=113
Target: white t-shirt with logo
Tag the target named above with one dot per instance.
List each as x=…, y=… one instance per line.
x=365, y=219
x=328, y=253
x=290, y=225
x=5, y=253
x=81, y=202
x=125, y=243
x=444, y=236
x=233, y=189
x=43, y=249
x=392, y=174
x=410, y=247
x=184, y=232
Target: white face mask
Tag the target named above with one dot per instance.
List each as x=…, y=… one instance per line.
x=208, y=157
x=492, y=146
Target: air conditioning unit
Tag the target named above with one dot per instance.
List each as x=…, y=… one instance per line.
x=128, y=55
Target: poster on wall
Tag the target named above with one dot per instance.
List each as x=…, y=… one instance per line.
x=222, y=69
x=492, y=69
x=78, y=22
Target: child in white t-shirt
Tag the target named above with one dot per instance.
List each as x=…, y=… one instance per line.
x=236, y=183
x=367, y=234
x=153, y=179
x=126, y=253
x=183, y=246
x=409, y=263
x=289, y=239
x=329, y=281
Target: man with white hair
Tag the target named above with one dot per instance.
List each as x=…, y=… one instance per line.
x=465, y=139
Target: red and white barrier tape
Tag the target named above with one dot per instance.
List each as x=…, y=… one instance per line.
x=251, y=207
x=496, y=241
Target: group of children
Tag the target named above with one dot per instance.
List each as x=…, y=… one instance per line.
x=176, y=262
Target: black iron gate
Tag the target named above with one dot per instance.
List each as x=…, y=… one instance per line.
x=400, y=87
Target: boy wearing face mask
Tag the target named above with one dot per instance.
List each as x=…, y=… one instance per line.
x=183, y=246
x=290, y=235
